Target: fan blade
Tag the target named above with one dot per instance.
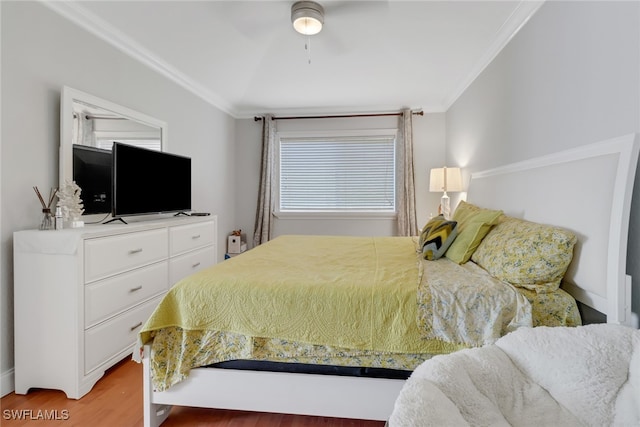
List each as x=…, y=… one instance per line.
x=341, y=29
x=354, y=7
x=256, y=19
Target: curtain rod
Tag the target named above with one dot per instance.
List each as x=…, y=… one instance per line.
x=91, y=117
x=339, y=116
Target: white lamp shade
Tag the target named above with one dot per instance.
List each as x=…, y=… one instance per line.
x=453, y=181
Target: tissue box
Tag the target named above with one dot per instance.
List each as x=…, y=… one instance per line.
x=235, y=245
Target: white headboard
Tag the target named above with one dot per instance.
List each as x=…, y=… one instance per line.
x=586, y=190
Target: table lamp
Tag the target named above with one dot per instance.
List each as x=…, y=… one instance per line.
x=445, y=179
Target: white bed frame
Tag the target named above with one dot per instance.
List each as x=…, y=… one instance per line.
x=587, y=190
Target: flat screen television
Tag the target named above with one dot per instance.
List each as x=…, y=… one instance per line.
x=92, y=173
x=148, y=181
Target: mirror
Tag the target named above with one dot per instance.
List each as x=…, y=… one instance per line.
x=91, y=121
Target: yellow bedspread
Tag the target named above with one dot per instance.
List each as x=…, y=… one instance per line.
x=357, y=293
x=350, y=301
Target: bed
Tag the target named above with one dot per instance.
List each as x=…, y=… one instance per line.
x=376, y=327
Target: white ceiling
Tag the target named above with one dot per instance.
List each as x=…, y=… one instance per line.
x=371, y=56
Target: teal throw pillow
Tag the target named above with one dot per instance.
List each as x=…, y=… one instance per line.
x=436, y=237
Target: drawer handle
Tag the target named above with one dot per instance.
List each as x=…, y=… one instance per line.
x=195, y=265
x=197, y=236
x=137, y=288
x=135, y=251
x=133, y=328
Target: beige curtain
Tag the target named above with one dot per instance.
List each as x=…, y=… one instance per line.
x=264, y=213
x=407, y=223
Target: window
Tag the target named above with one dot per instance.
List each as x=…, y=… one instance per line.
x=337, y=174
x=150, y=143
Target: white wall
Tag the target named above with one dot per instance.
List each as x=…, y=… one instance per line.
x=41, y=52
x=429, y=134
x=570, y=77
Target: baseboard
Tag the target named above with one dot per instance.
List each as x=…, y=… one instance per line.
x=7, y=383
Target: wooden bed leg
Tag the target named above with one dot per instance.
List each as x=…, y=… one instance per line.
x=154, y=414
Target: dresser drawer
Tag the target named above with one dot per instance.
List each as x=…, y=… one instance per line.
x=185, y=238
x=184, y=265
x=111, y=255
x=116, y=294
x=107, y=339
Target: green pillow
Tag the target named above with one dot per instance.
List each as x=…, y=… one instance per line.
x=436, y=237
x=473, y=224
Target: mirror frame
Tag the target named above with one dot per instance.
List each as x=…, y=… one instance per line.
x=68, y=97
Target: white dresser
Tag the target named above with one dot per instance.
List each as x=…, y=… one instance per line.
x=82, y=295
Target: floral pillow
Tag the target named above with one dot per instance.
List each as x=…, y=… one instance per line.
x=526, y=254
x=436, y=237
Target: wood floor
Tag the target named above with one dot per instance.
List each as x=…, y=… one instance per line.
x=116, y=401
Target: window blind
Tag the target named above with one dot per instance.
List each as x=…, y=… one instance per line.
x=337, y=174
x=151, y=144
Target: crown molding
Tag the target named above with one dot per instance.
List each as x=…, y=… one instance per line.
x=77, y=14
x=88, y=21
x=518, y=18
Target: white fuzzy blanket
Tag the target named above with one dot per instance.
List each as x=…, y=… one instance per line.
x=584, y=376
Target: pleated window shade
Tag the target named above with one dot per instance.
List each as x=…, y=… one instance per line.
x=354, y=174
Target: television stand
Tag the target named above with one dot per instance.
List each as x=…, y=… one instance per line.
x=181, y=213
x=115, y=219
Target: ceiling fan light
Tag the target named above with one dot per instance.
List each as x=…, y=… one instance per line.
x=307, y=17
x=307, y=26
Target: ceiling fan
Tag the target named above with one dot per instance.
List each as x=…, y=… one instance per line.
x=251, y=22
x=307, y=17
